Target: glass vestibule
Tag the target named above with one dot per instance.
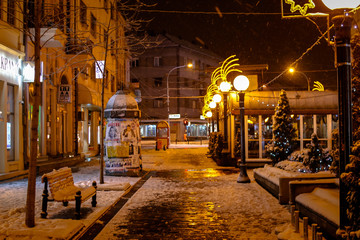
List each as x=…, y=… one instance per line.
x=258, y=135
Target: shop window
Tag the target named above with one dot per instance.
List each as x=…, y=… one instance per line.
x=148, y=130
x=308, y=127
x=10, y=125
x=253, y=136
x=321, y=126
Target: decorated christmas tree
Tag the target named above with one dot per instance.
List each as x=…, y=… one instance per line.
x=314, y=161
x=281, y=146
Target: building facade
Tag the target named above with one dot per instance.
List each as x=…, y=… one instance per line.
x=11, y=97
x=161, y=75
x=82, y=46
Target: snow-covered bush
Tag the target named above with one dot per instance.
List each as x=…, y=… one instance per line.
x=292, y=166
x=215, y=144
x=299, y=156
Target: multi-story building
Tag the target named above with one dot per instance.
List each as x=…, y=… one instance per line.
x=79, y=38
x=161, y=74
x=11, y=105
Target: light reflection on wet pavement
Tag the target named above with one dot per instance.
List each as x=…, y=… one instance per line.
x=182, y=216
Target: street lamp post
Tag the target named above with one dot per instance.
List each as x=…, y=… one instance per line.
x=343, y=23
x=292, y=70
x=167, y=88
x=241, y=83
x=225, y=88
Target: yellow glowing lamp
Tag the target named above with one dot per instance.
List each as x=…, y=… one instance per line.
x=241, y=83
x=209, y=114
x=217, y=98
x=339, y=4
x=212, y=104
x=291, y=70
x=225, y=86
x=189, y=65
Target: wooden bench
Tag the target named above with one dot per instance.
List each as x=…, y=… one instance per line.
x=62, y=189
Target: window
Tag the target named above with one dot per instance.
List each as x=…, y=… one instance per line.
x=106, y=5
x=112, y=14
x=11, y=12
x=83, y=13
x=135, y=62
x=10, y=125
x=194, y=104
x=158, y=103
x=113, y=84
x=156, y=61
x=112, y=47
x=93, y=25
x=158, y=82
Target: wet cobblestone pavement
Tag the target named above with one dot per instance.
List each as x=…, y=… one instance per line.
x=197, y=204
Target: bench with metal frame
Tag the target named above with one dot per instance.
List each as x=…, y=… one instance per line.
x=62, y=189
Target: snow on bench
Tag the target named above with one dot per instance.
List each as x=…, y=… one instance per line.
x=62, y=189
x=321, y=206
x=276, y=180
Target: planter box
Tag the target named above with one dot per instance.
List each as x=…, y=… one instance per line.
x=321, y=206
x=276, y=181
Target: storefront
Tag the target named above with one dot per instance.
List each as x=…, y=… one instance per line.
x=11, y=146
x=313, y=112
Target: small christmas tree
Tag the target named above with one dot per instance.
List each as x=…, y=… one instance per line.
x=281, y=145
x=314, y=160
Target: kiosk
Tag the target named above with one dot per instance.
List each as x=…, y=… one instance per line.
x=162, y=135
x=122, y=135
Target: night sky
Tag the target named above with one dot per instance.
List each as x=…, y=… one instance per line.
x=254, y=38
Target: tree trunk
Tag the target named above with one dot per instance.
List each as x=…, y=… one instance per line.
x=30, y=200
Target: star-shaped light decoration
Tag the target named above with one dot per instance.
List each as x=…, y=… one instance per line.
x=302, y=9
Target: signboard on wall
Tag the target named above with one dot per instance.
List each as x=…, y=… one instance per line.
x=64, y=93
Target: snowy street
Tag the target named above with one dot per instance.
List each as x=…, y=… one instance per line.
x=187, y=196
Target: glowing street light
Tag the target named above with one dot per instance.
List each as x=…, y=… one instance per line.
x=241, y=83
x=189, y=65
x=292, y=71
x=225, y=88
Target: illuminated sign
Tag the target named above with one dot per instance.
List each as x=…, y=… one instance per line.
x=297, y=7
x=29, y=72
x=64, y=93
x=99, y=69
x=318, y=86
x=10, y=66
x=174, y=116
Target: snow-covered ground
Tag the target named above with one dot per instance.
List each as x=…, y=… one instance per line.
x=230, y=199
x=58, y=223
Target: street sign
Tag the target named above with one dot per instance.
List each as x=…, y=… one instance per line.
x=64, y=93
